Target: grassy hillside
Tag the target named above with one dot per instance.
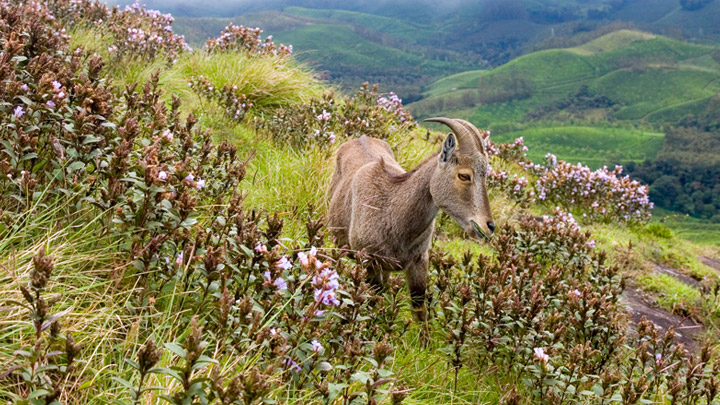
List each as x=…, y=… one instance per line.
x=161, y=239
x=591, y=146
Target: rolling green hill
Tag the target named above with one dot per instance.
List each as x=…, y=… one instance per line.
x=592, y=146
x=644, y=76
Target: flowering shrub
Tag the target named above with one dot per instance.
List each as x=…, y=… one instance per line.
x=515, y=187
x=236, y=103
x=601, y=194
x=248, y=40
x=547, y=310
x=322, y=120
x=137, y=32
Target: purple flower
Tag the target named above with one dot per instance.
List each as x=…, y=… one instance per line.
x=189, y=178
x=56, y=85
x=326, y=297
x=540, y=354
x=50, y=104
x=179, y=259
x=168, y=135
x=18, y=111
x=317, y=347
x=24, y=87
x=61, y=94
x=303, y=259
x=162, y=175
x=319, y=312
x=325, y=116
x=200, y=184
x=327, y=279
x=292, y=365
x=260, y=248
x=280, y=284
x=576, y=292
x=283, y=263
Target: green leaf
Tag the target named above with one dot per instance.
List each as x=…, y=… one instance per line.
x=124, y=382
x=177, y=349
x=77, y=165
x=172, y=373
x=38, y=393
x=133, y=364
x=361, y=376
x=324, y=366
x=26, y=100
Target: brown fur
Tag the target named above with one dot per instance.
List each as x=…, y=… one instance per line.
x=377, y=207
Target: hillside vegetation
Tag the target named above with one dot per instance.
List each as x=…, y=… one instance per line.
x=162, y=241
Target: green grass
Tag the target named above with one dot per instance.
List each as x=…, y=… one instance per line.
x=670, y=292
x=693, y=229
x=591, y=146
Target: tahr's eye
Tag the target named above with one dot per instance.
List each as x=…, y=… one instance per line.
x=464, y=177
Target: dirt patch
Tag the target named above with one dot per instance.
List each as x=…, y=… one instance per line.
x=710, y=262
x=659, y=268
x=639, y=306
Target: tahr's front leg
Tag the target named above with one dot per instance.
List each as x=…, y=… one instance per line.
x=416, y=274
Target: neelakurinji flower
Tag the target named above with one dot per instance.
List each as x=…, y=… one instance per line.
x=50, y=104
x=317, y=347
x=541, y=355
x=260, y=248
x=292, y=365
x=162, y=175
x=18, y=111
x=304, y=260
x=278, y=283
x=200, y=184
x=283, y=263
x=325, y=116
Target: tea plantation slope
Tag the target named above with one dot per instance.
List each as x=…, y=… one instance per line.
x=645, y=75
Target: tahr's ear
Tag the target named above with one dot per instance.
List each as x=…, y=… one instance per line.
x=448, y=147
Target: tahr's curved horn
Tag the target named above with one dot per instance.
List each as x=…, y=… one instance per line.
x=467, y=142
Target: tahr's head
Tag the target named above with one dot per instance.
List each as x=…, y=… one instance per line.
x=458, y=186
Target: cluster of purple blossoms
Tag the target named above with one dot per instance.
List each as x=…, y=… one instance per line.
x=325, y=285
x=199, y=184
x=324, y=117
x=603, y=194
x=240, y=38
x=393, y=104
x=151, y=33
